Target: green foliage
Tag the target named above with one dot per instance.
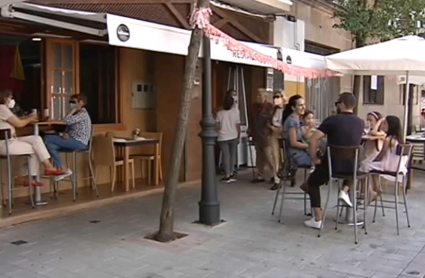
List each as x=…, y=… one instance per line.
x=369, y=19
x=404, y=16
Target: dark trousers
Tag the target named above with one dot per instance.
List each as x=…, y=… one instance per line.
x=320, y=176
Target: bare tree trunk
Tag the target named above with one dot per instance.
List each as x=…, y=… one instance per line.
x=166, y=225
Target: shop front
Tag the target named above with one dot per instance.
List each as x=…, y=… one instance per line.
x=130, y=70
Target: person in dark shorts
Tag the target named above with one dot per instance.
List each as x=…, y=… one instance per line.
x=342, y=129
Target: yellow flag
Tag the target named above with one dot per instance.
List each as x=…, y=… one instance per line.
x=18, y=69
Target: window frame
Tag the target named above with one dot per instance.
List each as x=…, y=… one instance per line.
x=50, y=69
x=118, y=96
x=47, y=83
x=377, y=94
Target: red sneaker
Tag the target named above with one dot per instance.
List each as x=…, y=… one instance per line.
x=33, y=183
x=53, y=173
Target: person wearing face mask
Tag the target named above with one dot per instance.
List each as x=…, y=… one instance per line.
x=76, y=135
x=279, y=102
x=32, y=145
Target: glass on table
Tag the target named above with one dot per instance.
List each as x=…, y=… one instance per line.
x=366, y=127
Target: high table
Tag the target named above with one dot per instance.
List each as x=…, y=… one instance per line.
x=125, y=144
x=36, y=131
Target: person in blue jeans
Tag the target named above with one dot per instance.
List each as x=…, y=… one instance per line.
x=76, y=135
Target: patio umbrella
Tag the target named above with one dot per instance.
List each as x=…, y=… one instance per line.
x=401, y=56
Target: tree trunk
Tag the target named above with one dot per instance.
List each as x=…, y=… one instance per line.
x=166, y=225
x=357, y=78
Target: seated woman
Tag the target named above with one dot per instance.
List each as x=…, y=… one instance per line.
x=76, y=135
x=387, y=159
x=371, y=148
x=292, y=131
x=32, y=145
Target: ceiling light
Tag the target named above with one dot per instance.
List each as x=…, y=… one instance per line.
x=36, y=39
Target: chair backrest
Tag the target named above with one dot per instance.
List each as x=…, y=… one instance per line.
x=103, y=150
x=91, y=139
x=5, y=134
x=343, y=155
x=404, y=151
x=149, y=149
x=286, y=153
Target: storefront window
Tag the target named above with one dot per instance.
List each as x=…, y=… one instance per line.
x=98, y=81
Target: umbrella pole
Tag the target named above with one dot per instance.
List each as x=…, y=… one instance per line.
x=406, y=105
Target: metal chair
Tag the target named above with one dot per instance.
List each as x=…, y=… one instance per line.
x=74, y=176
x=6, y=135
x=340, y=154
x=286, y=175
x=404, y=152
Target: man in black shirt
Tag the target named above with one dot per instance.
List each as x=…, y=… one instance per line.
x=342, y=129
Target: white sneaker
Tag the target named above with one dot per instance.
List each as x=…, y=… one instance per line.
x=312, y=223
x=65, y=175
x=343, y=196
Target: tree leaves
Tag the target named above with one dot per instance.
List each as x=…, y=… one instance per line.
x=380, y=19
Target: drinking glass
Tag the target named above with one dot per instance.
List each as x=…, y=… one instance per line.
x=367, y=127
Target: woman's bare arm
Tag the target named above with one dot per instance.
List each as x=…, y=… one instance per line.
x=293, y=142
x=385, y=148
x=17, y=122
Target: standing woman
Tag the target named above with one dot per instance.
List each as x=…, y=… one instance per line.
x=228, y=128
x=279, y=102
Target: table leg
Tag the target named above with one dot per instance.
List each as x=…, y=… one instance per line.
x=126, y=168
x=156, y=164
x=38, y=200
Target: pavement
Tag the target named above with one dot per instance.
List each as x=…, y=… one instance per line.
x=109, y=242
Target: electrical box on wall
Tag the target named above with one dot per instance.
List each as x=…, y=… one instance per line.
x=142, y=96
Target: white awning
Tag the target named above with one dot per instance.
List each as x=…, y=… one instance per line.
x=125, y=32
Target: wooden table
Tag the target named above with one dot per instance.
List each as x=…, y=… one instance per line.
x=126, y=144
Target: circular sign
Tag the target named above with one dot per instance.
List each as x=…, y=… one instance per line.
x=288, y=60
x=123, y=33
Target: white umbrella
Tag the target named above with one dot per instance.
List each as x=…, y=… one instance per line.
x=402, y=56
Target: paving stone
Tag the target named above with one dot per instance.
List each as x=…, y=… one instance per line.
x=251, y=244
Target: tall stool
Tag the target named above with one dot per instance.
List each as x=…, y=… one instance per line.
x=346, y=153
x=6, y=135
x=286, y=175
x=74, y=176
x=404, y=153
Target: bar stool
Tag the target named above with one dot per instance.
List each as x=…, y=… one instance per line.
x=287, y=174
x=404, y=153
x=346, y=153
x=74, y=177
x=6, y=135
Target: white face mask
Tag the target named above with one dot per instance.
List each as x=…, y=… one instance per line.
x=11, y=103
x=278, y=101
x=235, y=98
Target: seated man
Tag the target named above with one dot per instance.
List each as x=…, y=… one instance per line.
x=76, y=135
x=342, y=129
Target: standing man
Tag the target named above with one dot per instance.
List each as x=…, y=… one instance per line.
x=260, y=131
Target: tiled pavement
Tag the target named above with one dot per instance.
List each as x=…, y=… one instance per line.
x=250, y=244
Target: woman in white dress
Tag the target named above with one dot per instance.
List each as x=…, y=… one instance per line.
x=387, y=159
